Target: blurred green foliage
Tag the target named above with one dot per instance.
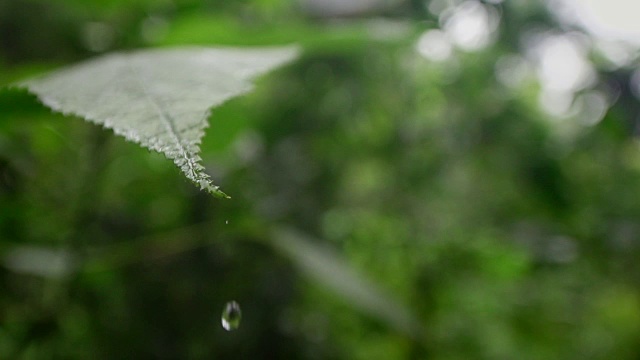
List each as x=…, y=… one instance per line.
x=507, y=233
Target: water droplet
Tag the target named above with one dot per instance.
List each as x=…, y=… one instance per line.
x=226, y=222
x=231, y=316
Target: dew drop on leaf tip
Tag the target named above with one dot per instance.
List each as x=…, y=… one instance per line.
x=231, y=316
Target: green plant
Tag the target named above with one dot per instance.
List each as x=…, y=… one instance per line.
x=397, y=146
x=159, y=99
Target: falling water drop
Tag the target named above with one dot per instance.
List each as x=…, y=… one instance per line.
x=231, y=316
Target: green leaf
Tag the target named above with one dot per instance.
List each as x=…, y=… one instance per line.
x=328, y=268
x=159, y=98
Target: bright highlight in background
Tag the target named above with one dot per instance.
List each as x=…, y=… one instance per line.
x=610, y=19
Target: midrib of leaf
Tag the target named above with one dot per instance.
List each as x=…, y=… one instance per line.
x=194, y=171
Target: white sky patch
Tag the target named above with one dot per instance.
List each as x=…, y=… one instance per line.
x=470, y=26
x=556, y=103
x=616, y=52
x=591, y=107
x=562, y=68
x=434, y=45
x=608, y=19
x=512, y=71
x=562, y=63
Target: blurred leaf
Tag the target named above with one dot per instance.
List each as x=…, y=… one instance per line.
x=159, y=99
x=329, y=269
x=39, y=261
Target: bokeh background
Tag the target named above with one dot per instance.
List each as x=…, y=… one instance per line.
x=440, y=179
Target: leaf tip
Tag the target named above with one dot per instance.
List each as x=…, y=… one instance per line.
x=219, y=194
x=214, y=190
